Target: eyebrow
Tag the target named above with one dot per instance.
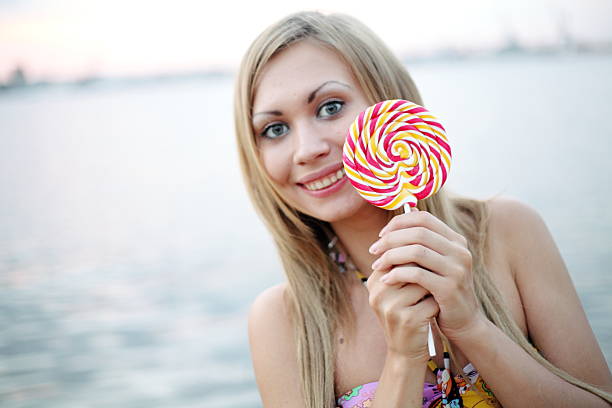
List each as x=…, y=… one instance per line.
x=274, y=112
x=314, y=93
x=310, y=97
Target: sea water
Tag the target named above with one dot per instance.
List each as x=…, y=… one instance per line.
x=129, y=252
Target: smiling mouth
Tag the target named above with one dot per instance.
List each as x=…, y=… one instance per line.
x=326, y=181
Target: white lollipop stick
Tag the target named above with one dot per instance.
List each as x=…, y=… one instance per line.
x=430, y=341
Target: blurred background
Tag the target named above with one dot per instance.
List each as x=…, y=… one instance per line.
x=129, y=252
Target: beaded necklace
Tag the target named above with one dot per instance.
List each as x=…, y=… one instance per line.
x=451, y=397
x=342, y=261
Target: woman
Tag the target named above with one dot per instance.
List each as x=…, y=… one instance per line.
x=489, y=272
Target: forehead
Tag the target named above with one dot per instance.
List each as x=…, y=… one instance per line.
x=299, y=69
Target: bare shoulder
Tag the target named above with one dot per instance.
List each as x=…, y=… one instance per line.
x=510, y=215
x=517, y=231
x=508, y=205
x=514, y=226
x=268, y=306
x=505, y=236
x=269, y=322
x=273, y=349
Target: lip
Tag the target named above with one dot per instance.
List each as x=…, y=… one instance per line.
x=325, y=171
x=324, y=192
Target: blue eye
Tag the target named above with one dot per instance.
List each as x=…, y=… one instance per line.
x=330, y=109
x=275, y=130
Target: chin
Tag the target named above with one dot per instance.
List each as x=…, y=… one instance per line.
x=341, y=211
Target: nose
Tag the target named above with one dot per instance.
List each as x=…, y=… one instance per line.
x=310, y=145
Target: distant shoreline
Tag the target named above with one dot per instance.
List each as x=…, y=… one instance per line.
x=19, y=82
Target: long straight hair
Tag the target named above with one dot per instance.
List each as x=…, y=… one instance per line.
x=316, y=291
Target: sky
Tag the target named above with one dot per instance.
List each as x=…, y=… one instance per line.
x=72, y=39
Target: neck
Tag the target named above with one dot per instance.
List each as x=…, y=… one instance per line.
x=358, y=233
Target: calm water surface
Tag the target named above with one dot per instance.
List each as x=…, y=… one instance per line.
x=129, y=252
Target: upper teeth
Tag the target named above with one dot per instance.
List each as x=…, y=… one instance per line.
x=326, y=181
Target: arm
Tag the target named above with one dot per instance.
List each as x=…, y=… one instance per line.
x=401, y=383
x=555, y=319
x=547, y=296
x=404, y=313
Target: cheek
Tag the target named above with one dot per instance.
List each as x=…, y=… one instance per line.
x=342, y=126
x=276, y=163
x=341, y=132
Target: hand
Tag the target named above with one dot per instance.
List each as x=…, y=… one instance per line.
x=404, y=312
x=418, y=248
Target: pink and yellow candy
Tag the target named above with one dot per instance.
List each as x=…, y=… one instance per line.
x=396, y=153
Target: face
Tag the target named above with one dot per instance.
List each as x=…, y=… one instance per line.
x=304, y=103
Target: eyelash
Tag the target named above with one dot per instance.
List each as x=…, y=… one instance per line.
x=270, y=126
x=327, y=103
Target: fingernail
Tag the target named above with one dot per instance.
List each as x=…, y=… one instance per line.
x=376, y=263
x=384, y=279
x=382, y=231
x=374, y=248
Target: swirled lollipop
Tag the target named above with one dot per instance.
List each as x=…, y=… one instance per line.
x=396, y=153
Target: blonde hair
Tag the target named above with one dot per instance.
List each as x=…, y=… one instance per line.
x=316, y=294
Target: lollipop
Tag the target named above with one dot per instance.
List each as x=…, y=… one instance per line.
x=395, y=154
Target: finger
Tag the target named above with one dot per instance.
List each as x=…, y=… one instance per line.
x=428, y=307
x=410, y=294
x=422, y=219
x=414, y=275
x=396, y=298
x=416, y=253
x=414, y=235
x=373, y=282
x=374, y=277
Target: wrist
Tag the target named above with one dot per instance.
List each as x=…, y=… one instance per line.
x=401, y=381
x=401, y=362
x=475, y=331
